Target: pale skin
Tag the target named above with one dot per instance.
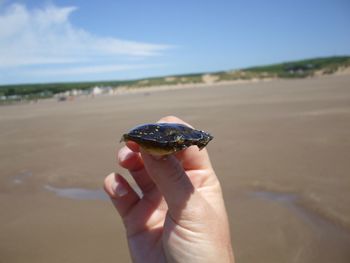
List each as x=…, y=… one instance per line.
x=181, y=216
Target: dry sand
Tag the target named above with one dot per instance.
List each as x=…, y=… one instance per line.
x=281, y=151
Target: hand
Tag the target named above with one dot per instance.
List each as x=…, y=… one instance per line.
x=180, y=216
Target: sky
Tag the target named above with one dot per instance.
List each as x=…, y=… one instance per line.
x=64, y=41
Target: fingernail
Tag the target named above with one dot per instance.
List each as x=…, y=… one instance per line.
x=119, y=189
x=124, y=153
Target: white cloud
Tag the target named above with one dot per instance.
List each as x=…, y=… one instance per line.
x=46, y=36
x=83, y=70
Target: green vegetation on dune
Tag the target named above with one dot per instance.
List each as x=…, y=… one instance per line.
x=53, y=88
x=295, y=69
x=170, y=80
x=304, y=68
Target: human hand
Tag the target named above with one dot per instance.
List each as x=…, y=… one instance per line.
x=181, y=216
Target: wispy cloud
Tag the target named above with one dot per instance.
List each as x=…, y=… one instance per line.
x=46, y=36
x=82, y=70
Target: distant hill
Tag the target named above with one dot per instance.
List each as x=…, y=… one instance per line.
x=294, y=69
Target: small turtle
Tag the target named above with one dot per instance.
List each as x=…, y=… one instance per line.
x=166, y=138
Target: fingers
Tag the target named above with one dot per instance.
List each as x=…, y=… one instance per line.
x=122, y=195
x=171, y=180
x=133, y=162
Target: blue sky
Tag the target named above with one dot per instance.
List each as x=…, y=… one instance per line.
x=57, y=41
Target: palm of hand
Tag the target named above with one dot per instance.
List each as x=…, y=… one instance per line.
x=150, y=227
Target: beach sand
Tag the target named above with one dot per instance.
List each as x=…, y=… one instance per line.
x=281, y=150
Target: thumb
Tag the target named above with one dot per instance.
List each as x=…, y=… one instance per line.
x=170, y=179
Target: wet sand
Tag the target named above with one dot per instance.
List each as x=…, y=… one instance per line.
x=281, y=151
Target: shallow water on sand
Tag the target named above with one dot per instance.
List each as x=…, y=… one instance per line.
x=337, y=238
x=323, y=227
x=78, y=193
x=21, y=177
x=290, y=200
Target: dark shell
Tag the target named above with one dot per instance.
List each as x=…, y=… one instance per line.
x=167, y=137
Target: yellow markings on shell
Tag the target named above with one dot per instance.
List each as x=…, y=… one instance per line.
x=156, y=151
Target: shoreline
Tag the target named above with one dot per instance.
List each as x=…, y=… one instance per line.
x=126, y=90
